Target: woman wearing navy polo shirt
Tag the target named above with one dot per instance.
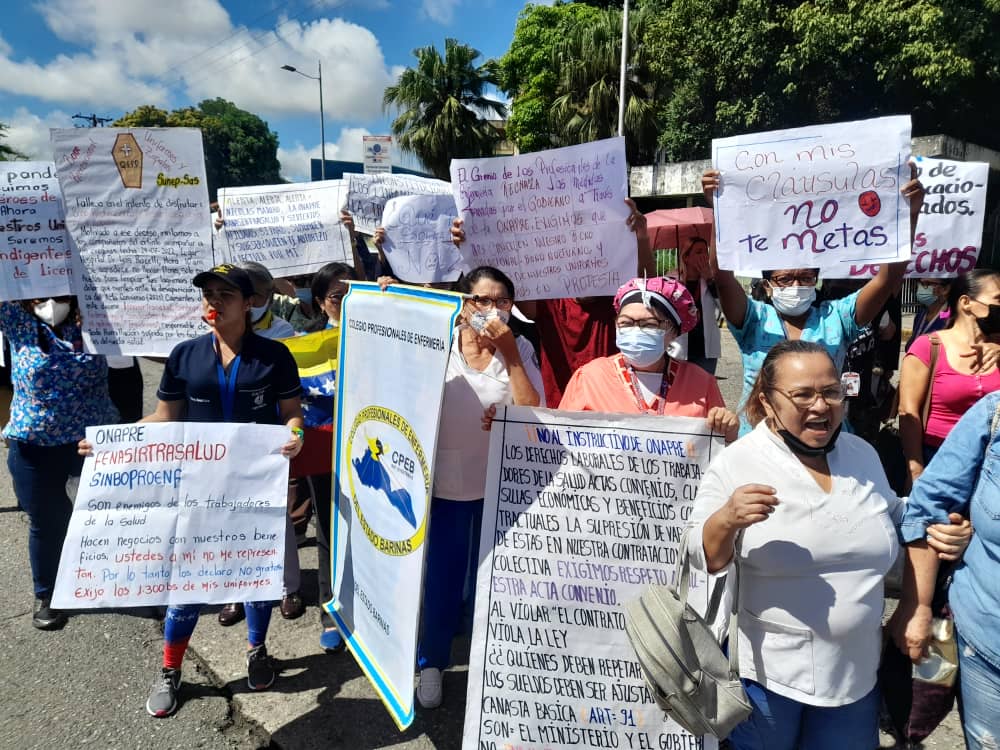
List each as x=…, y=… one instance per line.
x=228, y=375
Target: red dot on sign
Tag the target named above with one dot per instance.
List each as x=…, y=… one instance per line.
x=870, y=203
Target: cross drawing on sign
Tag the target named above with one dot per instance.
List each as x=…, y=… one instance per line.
x=125, y=149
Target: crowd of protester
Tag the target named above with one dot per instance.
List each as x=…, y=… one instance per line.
x=805, y=504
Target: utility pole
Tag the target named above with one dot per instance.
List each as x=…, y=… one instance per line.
x=94, y=120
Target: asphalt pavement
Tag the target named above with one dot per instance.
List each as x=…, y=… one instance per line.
x=86, y=685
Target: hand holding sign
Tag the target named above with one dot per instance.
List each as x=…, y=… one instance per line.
x=416, y=239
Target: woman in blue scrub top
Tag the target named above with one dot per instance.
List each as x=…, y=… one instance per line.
x=791, y=310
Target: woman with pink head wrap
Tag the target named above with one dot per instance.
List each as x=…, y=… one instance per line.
x=643, y=379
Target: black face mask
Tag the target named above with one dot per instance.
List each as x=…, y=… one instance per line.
x=799, y=448
x=990, y=323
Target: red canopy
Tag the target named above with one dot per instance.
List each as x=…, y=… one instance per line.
x=675, y=227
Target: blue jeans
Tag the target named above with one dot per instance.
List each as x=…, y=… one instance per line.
x=453, y=536
x=39, y=474
x=979, y=698
x=779, y=723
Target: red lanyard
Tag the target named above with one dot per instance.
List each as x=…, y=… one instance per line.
x=632, y=382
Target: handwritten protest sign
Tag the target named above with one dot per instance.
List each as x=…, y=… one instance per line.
x=35, y=258
x=367, y=195
x=950, y=228
x=554, y=221
x=582, y=513
x=138, y=218
x=386, y=434
x=177, y=513
x=820, y=196
x=418, y=242
x=289, y=229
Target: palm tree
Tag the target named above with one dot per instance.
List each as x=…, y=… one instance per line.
x=442, y=109
x=8, y=153
x=588, y=61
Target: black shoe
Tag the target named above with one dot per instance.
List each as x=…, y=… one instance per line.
x=46, y=618
x=260, y=668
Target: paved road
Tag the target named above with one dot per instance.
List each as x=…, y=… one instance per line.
x=85, y=686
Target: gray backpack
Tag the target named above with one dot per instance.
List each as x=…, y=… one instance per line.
x=686, y=671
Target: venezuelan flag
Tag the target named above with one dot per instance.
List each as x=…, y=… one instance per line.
x=316, y=356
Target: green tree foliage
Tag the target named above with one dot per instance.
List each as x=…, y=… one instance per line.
x=8, y=153
x=588, y=60
x=442, y=108
x=240, y=148
x=736, y=66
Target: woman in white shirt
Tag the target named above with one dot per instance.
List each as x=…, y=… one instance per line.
x=819, y=524
x=488, y=367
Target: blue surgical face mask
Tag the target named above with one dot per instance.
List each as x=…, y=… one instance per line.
x=641, y=348
x=305, y=296
x=926, y=295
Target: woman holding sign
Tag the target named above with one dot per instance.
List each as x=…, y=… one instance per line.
x=228, y=375
x=643, y=378
x=792, y=312
x=819, y=533
x=58, y=391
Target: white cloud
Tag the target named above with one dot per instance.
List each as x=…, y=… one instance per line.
x=29, y=133
x=441, y=11
x=295, y=161
x=139, y=51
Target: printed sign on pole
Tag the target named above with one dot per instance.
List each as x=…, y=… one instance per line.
x=378, y=154
x=822, y=196
x=386, y=435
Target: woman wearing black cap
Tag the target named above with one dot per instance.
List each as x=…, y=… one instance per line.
x=228, y=375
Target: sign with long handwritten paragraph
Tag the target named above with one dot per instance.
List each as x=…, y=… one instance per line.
x=583, y=511
x=950, y=229
x=35, y=257
x=386, y=436
x=140, y=229
x=821, y=196
x=289, y=229
x=177, y=513
x=418, y=241
x=367, y=195
x=554, y=221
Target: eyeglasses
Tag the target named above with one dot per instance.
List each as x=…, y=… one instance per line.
x=335, y=298
x=485, y=303
x=788, y=279
x=645, y=324
x=932, y=283
x=806, y=397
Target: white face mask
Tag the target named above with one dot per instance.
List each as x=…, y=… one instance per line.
x=52, y=312
x=256, y=313
x=479, y=319
x=792, y=300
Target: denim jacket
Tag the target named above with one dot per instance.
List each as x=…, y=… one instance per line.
x=964, y=477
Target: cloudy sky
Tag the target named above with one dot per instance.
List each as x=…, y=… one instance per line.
x=64, y=57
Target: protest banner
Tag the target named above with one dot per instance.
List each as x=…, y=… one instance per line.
x=554, y=221
x=418, y=242
x=34, y=248
x=815, y=197
x=378, y=154
x=386, y=435
x=367, y=195
x=582, y=512
x=289, y=229
x=177, y=513
x=950, y=228
x=140, y=229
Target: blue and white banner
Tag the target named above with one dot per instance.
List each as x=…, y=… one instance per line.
x=394, y=349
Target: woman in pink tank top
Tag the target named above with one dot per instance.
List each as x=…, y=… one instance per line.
x=965, y=369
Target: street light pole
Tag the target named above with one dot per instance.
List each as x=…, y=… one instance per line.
x=621, y=85
x=322, y=119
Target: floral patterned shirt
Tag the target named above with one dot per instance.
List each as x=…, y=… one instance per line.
x=58, y=389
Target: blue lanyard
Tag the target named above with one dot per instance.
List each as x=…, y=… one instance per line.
x=227, y=385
